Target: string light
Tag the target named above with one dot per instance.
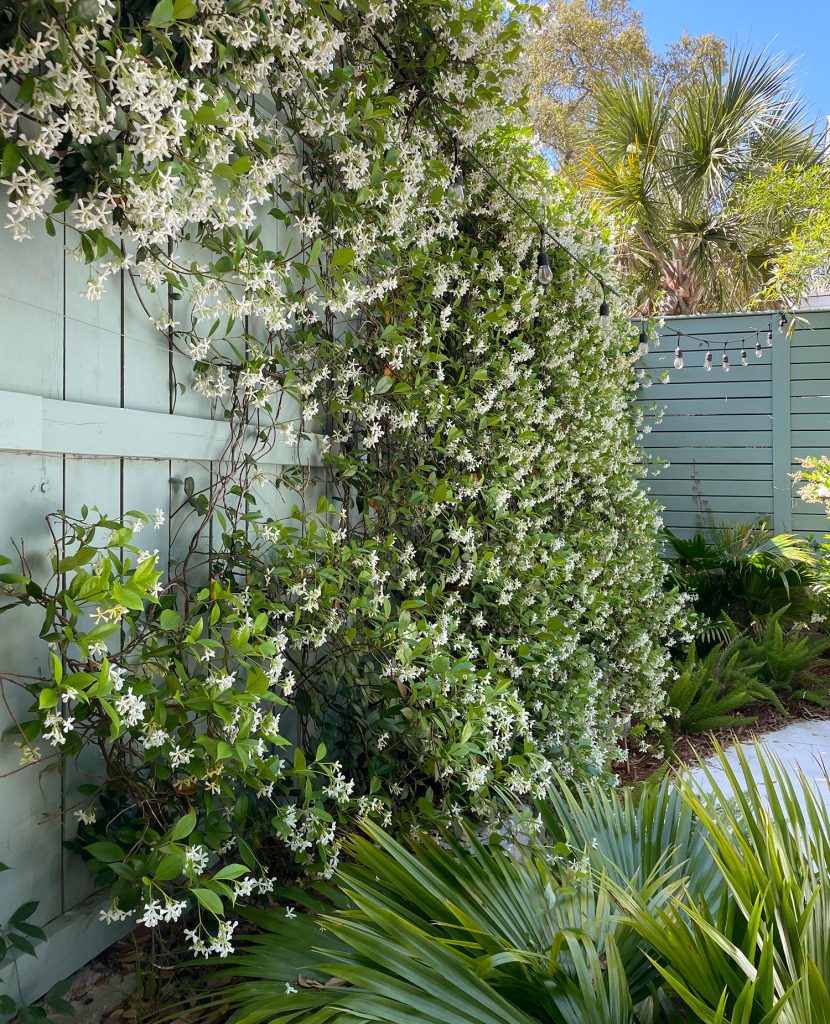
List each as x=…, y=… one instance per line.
x=642, y=348
x=544, y=275
x=456, y=188
x=782, y=322
x=604, y=311
x=731, y=350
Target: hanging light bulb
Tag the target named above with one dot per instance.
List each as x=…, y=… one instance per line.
x=758, y=350
x=456, y=186
x=678, y=358
x=724, y=363
x=642, y=348
x=707, y=362
x=544, y=275
x=782, y=322
x=604, y=312
x=769, y=337
x=744, y=358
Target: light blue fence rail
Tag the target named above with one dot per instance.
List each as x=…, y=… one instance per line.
x=731, y=440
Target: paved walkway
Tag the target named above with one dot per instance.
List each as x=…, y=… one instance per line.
x=804, y=745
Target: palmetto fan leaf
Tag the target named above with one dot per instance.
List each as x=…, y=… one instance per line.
x=668, y=165
x=456, y=932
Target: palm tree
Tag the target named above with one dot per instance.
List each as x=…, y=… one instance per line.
x=665, y=164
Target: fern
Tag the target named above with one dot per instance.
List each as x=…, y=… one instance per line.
x=708, y=691
x=786, y=658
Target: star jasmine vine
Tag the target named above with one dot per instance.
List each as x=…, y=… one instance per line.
x=478, y=600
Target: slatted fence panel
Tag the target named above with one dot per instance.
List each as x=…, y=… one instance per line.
x=89, y=414
x=729, y=441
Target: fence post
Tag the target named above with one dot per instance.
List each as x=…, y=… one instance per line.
x=782, y=494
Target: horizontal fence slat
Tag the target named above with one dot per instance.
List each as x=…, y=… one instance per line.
x=751, y=440
x=811, y=371
x=816, y=404
x=731, y=487
x=701, y=521
x=751, y=505
x=758, y=370
x=810, y=421
x=706, y=390
x=727, y=406
x=29, y=423
x=815, y=354
x=800, y=389
x=712, y=420
x=809, y=440
x=712, y=471
x=723, y=455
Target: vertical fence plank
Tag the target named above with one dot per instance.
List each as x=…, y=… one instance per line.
x=782, y=492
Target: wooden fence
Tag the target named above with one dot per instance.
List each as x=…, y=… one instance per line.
x=90, y=413
x=731, y=440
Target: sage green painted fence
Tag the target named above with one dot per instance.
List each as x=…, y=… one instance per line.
x=90, y=413
x=731, y=440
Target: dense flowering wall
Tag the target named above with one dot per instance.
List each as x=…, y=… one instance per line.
x=481, y=600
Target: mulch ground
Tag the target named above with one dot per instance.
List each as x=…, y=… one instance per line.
x=688, y=750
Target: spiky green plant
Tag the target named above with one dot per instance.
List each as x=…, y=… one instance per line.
x=633, y=835
x=745, y=572
x=449, y=932
x=708, y=691
x=711, y=895
x=764, y=954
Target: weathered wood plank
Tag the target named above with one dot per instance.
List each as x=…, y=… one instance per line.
x=32, y=424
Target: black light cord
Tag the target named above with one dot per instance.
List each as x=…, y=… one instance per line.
x=606, y=288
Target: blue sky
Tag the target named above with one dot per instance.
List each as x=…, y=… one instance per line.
x=799, y=28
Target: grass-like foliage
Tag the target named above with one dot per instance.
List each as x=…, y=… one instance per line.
x=702, y=902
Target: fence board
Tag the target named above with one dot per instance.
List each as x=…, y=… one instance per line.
x=732, y=441
x=90, y=414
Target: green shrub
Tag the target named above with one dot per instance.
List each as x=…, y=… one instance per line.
x=787, y=657
x=745, y=572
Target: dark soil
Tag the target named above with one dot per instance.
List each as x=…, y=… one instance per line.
x=689, y=749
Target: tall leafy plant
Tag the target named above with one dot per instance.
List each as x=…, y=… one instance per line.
x=666, y=161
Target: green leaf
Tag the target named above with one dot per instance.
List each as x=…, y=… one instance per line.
x=342, y=257
x=210, y=901
x=163, y=14
x=106, y=852
x=10, y=160
x=183, y=827
x=170, y=619
x=23, y=912
x=170, y=866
